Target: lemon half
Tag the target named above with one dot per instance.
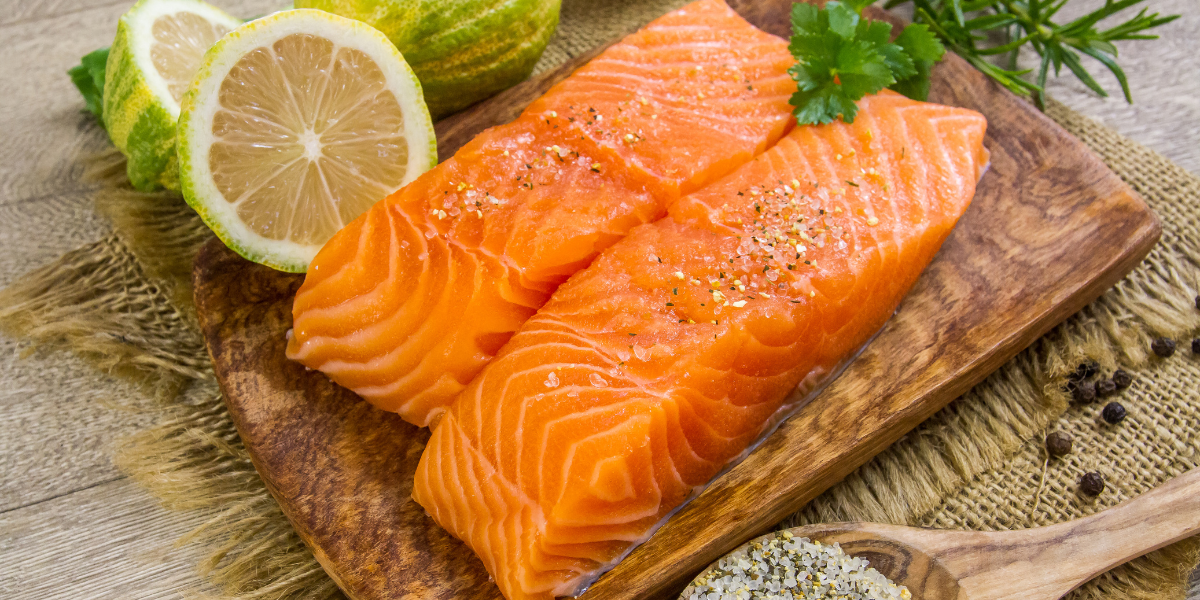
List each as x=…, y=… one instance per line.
x=159, y=46
x=296, y=124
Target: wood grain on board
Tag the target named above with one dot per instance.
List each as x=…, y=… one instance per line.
x=1049, y=230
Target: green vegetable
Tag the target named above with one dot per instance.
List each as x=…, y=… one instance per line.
x=842, y=57
x=962, y=25
x=88, y=76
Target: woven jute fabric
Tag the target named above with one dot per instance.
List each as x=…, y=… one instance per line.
x=124, y=303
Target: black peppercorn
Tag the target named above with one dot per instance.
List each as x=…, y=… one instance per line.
x=1058, y=443
x=1113, y=413
x=1163, y=347
x=1084, y=392
x=1105, y=387
x=1122, y=379
x=1084, y=370
x=1091, y=484
x=1196, y=346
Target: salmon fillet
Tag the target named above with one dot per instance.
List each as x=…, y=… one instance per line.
x=407, y=303
x=686, y=343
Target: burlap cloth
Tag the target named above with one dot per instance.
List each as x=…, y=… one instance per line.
x=124, y=303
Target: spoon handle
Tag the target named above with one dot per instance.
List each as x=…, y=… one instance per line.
x=1047, y=562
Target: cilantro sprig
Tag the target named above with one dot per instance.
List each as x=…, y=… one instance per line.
x=842, y=57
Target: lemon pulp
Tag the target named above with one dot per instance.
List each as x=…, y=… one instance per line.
x=180, y=40
x=312, y=147
x=295, y=125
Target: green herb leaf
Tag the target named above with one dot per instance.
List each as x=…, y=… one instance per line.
x=841, y=20
x=841, y=57
x=1018, y=23
x=879, y=35
x=924, y=48
x=917, y=86
x=830, y=83
x=920, y=43
x=857, y=5
x=88, y=77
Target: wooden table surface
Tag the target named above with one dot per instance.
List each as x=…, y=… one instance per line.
x=71, y=526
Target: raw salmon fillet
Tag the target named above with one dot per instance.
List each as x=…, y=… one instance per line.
x=686, y=343
x=407, y=303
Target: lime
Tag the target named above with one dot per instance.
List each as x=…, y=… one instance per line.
x=158, y=48
x=462, y=50
x=296, y=124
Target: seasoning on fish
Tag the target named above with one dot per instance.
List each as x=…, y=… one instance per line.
x=579, y=440
x=407, y=303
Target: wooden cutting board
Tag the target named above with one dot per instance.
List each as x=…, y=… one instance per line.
x=1049, y=230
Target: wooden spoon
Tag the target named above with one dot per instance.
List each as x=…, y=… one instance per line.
x=1042, y=563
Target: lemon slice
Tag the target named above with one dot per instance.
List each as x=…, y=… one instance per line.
x=296, y=124
x=156, y=53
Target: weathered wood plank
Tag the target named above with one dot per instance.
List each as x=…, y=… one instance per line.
x=60, y=420
x=14, y=11
x=108, y=542
x=1165, y=114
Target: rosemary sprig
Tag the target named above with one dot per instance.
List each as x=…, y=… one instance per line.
x=1031, y=22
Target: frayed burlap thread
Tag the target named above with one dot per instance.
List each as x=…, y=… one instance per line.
x=158, y=228
x=97, y=302
x=124, y=303
x=193, y=460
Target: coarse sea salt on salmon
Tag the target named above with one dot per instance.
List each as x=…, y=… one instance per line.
x=683, y=345
x=406, y=304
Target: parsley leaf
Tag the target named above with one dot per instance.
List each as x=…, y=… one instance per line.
x=924, y=49
x=88, y=77
x=920, y=43
x=841, y=57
